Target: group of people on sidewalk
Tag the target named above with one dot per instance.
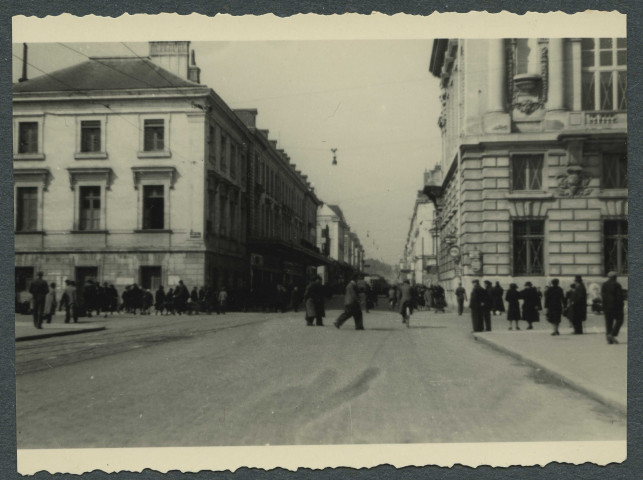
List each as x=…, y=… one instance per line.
x=572, y=305
x=45, y=302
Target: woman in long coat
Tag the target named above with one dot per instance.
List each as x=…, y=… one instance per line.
x=513, y=305
x=531, y=305
x=314, y=299
x=554, y=303
x=498, y=304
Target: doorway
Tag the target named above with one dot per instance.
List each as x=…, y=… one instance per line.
x=150, y=278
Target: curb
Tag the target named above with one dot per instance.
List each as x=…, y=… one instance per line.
x=599, y=397
x=59, y=334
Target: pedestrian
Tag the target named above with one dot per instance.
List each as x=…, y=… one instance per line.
x=38, y=290
x=314, y=301
x=498, y=304
x=554, y=303
x=193, y=302
x=50, y=303
x=159, y=300
x=202, y=291
x=351, y=306
x=169, y=302
x=579, y=305
x=223, y=299
x=513, y=305
x=406, y=301
x=295, y=298
x=477, y=306
x=148, y=301
x=363, y=292
x=113, y=293
x=613, y=307
x=439, y=299
x=181, y=296
x=392, y=297
x=488, y=305
x=69, y=301
x=461, y=297
x=531, y=305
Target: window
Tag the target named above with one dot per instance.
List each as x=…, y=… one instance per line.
x=604, y=76
x=26, y=209
x=615, y=245
x=150, y=277
x=154, y=140
x=90, y=136
x=89, y=211
x=528, y=239
x=615, y=170
x=223, y=220
x=28, y=137
x=153, y=207
x=223, y=152
x=527, y=172
x=233, y=160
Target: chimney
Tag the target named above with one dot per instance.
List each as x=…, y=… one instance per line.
x=172, y=56
x=248, y=116
x=194, y=72
x=24, y=63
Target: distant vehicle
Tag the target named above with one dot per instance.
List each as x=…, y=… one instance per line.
x=379, y=284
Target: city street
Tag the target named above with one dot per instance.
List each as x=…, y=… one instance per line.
x=257, y=379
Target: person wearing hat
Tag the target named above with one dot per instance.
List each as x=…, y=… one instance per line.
x=38, y=290
x=477, y=306
x=554, y=303
x=613, y=307
x=314, y=302
x=579, y=305
x=513, y=305
x=531, y=305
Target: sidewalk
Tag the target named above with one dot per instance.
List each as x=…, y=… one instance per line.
x=25, y=329
x=585, y=362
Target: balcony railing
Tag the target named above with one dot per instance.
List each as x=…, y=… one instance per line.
x=601, y=118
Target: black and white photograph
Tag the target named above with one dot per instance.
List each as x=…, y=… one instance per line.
x=320, y=242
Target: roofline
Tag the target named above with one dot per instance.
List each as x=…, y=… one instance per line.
x=137, y=93
x=437, y=56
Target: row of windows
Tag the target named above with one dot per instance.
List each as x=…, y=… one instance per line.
x=529, y=240
x=527, y=171
x=92, y=136
x=90, y=208
x=277, y=187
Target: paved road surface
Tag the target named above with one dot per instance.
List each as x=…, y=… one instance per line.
x=257, y=379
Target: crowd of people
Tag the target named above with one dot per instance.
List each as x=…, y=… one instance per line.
x=489, y=300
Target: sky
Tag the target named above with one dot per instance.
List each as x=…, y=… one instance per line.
x=373, y=100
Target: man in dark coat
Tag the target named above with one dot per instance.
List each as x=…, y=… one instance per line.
x=498, y=305
x=579, y=305
x=613, y=307
x=405, y=294
x=38, y=290
x=531, y=305
x=488, y=305
x=159, y=300
x=314, y=301
x=351, y=307
x=554, y=303
x=513, y=305
x=477, y=306
x=181, y=295
x=461, y=296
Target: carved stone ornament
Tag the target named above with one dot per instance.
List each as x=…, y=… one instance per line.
x=527, y=106
x=574, y=182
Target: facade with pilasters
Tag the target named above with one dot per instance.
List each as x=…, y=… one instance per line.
x=534, y=156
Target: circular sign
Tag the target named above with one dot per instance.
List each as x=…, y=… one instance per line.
x=454, y=251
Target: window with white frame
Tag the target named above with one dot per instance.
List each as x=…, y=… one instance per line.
x=528, y=242
x=89, y=208
x=90, y=197
x=604, y=76
x=153, y=207
x=155, y=136
x=154, y=184
x=27, y=199
x=527, y=171
x=28, y=138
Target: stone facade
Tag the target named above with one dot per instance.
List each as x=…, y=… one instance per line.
x=536, y=181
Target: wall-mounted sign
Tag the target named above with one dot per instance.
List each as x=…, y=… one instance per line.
x=454, y=251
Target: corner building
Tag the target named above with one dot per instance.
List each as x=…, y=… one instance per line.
x=534, y=155
x=128, y=170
